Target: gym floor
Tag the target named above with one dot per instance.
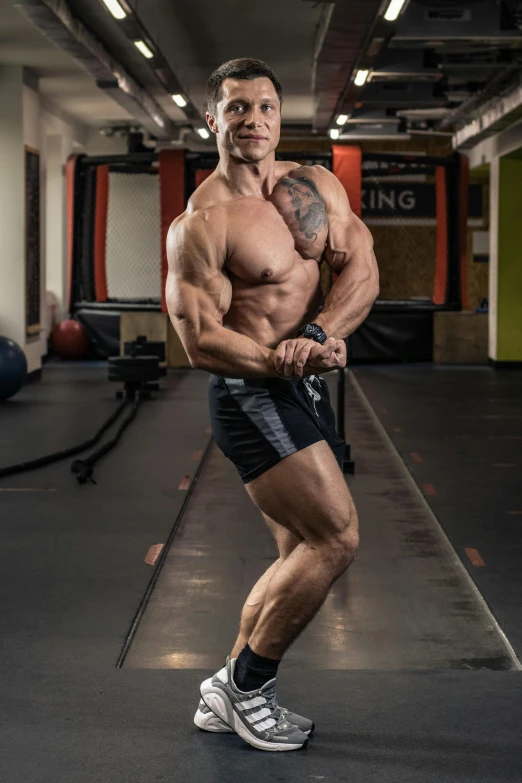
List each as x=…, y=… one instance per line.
x=411, y=669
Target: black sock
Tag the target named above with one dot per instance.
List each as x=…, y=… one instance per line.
x=252, y=670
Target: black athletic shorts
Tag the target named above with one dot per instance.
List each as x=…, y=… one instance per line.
x=258, y=422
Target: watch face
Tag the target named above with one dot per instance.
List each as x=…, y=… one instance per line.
x=314, y=332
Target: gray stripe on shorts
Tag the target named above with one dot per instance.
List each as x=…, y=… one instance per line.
x=262, y=412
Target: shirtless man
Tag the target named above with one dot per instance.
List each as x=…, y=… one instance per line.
x=243, y=284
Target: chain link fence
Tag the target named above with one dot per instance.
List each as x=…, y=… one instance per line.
x=133, y=249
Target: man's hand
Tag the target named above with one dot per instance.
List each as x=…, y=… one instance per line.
x=300, y=356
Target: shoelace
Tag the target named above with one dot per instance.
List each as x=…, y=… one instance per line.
x=275, y=710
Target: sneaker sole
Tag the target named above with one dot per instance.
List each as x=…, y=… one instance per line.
x=209, y=722
x=217, y=701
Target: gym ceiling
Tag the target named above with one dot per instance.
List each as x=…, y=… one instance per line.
x=444, y=66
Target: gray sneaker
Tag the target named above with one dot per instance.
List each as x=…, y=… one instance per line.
x=255, y=716
x=207, y=721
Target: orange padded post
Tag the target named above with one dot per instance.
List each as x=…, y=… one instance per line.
x=172, y=200
x=100, y=232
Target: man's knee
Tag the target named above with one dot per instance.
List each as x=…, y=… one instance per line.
x=341, y=546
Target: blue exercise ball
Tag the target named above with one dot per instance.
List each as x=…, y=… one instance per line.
x=13, y=368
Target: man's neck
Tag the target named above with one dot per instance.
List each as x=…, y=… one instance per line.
x=257, y=178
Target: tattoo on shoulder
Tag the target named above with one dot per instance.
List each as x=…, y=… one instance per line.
x=309, y=206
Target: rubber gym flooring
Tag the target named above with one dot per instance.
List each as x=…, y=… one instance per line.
x=406, y=671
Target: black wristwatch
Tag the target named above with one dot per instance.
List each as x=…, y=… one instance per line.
x=313, y=332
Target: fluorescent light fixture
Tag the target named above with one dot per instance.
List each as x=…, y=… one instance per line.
x=360, y=78
x=394, y=10
x=115, y=9
x=341, y=119
x=334, y=133
x=142, y=47
x=203, y=132
x=180, y=101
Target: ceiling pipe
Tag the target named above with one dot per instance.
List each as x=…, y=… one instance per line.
x=55, y=20
x=466, y=110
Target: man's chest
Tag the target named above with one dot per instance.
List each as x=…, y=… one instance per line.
x=267, y=238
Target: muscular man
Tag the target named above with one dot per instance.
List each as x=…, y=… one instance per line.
x=244, y=293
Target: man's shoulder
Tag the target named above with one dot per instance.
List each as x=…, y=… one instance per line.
x=198, y=228
x=292, y=169
x=211, y=194
x=319, y=175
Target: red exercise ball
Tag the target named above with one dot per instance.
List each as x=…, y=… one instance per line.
x=69, y=340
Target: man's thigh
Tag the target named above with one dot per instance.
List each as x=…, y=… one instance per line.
x=306, y=493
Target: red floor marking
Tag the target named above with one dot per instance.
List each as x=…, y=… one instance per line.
x=153, y=554
x=416, y=457
x=184, y=483
x=208, y=430
x=504, y=465
x=26, y=489
x=396, y=429
x=429, y=489
x=197, y=455
x=474, y=557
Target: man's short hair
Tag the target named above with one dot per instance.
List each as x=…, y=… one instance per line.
x=242, y=68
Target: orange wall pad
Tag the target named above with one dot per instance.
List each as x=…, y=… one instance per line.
x=347, y=167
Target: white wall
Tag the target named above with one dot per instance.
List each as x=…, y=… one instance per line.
x=490, y=151
x=27, y=120
x=96, y=144
x=492, y=148
x=12, y=207
x=493, y=256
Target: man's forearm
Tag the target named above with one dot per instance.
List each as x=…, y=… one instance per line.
x=225, y=352
x=347, y=305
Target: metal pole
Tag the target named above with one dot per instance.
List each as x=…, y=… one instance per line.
x=341, y=386
x=348, y=463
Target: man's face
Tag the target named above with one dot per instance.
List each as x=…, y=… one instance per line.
x=248, y=118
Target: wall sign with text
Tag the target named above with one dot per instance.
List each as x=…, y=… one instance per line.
x=403, y=200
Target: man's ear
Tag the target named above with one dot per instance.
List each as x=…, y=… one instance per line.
x=211, y=122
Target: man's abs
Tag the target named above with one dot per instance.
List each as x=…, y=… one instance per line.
x=274, y=312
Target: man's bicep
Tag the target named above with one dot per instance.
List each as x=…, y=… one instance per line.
x=349, y=240
x=198, y=292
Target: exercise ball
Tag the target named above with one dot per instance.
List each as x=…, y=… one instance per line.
x=13, y=368
x=69, y=339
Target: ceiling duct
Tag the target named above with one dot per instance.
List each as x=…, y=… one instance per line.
x=475, y=20
x=344, y=35
x=373, y=131
x=54, y=19
x=396, y=65
x=367, y=117
x=399, y=94
x=496, y=115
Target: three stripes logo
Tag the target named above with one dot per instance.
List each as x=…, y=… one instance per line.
x=256, y=713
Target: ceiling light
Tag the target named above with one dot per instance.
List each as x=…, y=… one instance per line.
x=334, y=134
x=203, y=132
x=180, y=101
x=394, y=10
x=341, y=119
x=142, y=47
x=115, y=9
x=360, y=78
